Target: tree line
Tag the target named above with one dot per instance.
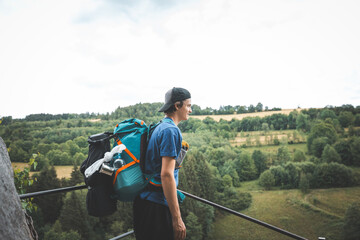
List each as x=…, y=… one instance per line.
x=139, y=110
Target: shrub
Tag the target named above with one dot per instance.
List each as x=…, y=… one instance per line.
x=280, y=175
x=299, y=156
x=267, y=180
x=332, y=175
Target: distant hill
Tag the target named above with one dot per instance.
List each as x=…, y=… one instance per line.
x=240, y=116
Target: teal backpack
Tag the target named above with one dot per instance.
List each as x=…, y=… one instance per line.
x=128, y=178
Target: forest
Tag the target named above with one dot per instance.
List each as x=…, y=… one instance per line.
x=214, y=168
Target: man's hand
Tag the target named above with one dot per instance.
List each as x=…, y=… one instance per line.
x=179, y=229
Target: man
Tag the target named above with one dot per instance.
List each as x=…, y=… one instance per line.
x=156, y=210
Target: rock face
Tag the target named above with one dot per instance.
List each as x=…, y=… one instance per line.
x=12, y=217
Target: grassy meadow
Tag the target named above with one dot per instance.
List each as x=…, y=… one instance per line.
x=316, y=214
x=61, y=171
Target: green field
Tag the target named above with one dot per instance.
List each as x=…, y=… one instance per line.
x=274, y=149
x=316, y=214
x=264, y=138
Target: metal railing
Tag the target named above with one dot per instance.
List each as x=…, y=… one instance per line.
x=228, y=210
x=51, y=191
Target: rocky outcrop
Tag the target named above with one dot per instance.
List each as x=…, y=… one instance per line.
x=12, y=217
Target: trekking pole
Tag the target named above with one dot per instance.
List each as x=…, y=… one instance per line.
x=122, y=235
x=292, y=235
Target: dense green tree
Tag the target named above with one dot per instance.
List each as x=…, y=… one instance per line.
x=259, y=161
x=227, y=181
x=327, y=113
x=241, y=109
x=306, y=167
x=229, y=169
x=292, y=119
x=58, y=157
x=303, y=122
x=200, y=178
x=191, y=125
x=299, y=156
x=342, y=147
x=278, y=121
x=351, y=229
x=323, y=130
x=196, y=175
x=259, y=107
x=355, y=151
x=336, y=124
x=283, y=155
x=73, y=148
x=43, y=148
x=218, y=156
x=55, y=232
x=313, y=113
x=81, y=142
x=79, y=158
x=346, y=118
x=245, y=167
x=16, y=153
x=357, y=120
x=318, y=146
x=74, y=216
x=76, y=176
x=249, y=124
x=330, y=155
x=193, y=227
x=50, y=204
x=251, y=108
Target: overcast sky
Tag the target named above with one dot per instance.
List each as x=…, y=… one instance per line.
x=95, y=55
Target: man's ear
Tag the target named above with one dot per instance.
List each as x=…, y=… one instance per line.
x=177, y=106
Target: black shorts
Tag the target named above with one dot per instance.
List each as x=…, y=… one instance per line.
x=152, y=221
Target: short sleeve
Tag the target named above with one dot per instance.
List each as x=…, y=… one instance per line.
x=168, y=142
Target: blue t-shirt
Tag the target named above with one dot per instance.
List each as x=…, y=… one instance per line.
x=165, y=141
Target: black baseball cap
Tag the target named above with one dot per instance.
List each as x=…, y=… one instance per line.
x=174, y=95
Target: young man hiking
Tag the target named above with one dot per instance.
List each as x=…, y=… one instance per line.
x=156, y=210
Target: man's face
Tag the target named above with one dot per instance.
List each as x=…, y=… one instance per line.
x=185, y=110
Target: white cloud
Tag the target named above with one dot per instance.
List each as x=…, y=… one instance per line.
x=92, y=56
